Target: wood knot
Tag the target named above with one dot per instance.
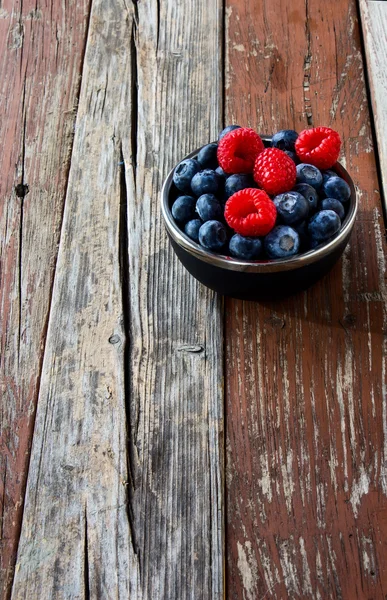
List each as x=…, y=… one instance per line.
x=191, y=349
x=22, y=190
x=114, y=339
x=348, y=321
x=275, y=322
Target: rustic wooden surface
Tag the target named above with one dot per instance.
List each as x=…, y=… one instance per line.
x=41, y=47
x=306, y=446
x=374, y=25
x=124, y=495
x=125, y=489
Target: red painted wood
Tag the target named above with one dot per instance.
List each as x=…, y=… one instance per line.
x=41, y=52
x=306, y=378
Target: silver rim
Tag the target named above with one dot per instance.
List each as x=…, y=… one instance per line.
x=232, y=264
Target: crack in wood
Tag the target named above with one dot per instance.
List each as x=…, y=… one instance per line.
x=270, y=75
x=86, y=562
x=307, y=68
x=23, y=187
x=3, y=501
x=157, y=25
x=125, y=289
x=134, y=95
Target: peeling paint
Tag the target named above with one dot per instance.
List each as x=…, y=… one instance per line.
x=248, y=570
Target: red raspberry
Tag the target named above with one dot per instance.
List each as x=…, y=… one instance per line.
x=275, y=171
x=250, y=212
x=238, y=150
x=319, y=147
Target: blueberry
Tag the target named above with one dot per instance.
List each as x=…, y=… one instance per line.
x=222, y=176
x=205, y=182
x=327, y=174
x=324, y=225
x=212, y=235
x=245, y=247
x=333, y=204
x=282, y=242
x=313, y=243
x=292, y=208
x=335, y=187
x=293, y=156
x=302, y=230
x=309, y=174
x=209, y=208
x=227, y=130
x=309, y=193
x=192, y=229
x=284, y=139
x=222, y=173
x=207, y=157
x=238, y=182
x=183, y=174
x=183, y=209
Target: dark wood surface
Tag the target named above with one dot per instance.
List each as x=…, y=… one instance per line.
x=128, y=491
x=306, y=378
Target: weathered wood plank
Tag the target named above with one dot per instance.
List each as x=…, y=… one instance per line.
x=374, y=24
x=306, y=378
x=41, y=47
x=124, y=495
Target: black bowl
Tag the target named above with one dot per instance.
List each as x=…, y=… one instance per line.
x=261, y=279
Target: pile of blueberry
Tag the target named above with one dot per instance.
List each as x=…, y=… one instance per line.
x=310, y=211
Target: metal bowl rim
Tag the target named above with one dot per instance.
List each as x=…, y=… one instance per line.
x=267, y=266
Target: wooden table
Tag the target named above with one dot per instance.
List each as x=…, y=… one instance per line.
x=158, y=441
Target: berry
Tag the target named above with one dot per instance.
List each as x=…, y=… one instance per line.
x=237, y=182
x=219, y=171
x=205, y=182
x=207, y=157
x=183, y=209
x=192, y=229
x=319, y=147
x=335, y=205
x=309, y=193
x=292, y=208
x=302, y=230
x=293, y=156
x=250, y=212
x=238, y=149
x=227, y=130
x=324, y=225
x=327, y=174
x=282, y=242
x=183, y=174
x=209, y=208
x=274, y=171
x=246, y=248
x=212, y=235
x=284, y=139
x=335, y=187
x=309, y=174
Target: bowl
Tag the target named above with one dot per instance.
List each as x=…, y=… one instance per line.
x=259, y=279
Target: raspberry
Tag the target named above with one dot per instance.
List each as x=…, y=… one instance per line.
x=250, y=212
x=319, y=147
x=274, y=171
x=238, y=150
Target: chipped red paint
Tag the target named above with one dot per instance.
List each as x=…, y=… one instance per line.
x=306, y=378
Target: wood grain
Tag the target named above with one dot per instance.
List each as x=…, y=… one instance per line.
x=374, y=24
x=306, y=401
x=124, y=495
x=41, y=48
